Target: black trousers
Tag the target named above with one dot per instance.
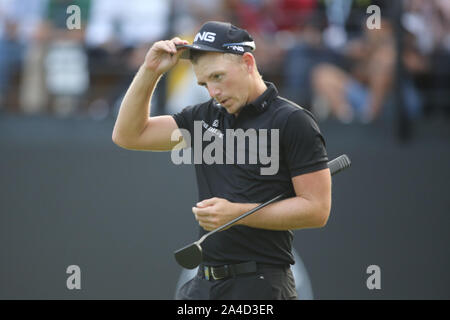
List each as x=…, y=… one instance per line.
x=268, y=283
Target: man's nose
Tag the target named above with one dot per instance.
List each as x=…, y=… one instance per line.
x=214, y=92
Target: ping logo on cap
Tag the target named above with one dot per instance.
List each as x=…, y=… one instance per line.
x=205, y=36
x=235, y=48
x=215, y=36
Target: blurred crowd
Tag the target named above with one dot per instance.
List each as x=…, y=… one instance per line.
x=321, y=54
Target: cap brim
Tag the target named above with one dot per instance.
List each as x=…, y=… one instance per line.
x=198, y=47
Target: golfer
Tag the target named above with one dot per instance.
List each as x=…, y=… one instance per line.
x=252, y=258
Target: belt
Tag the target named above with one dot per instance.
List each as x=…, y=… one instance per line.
x=227, y=271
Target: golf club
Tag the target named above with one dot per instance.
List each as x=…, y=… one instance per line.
x=190, y=256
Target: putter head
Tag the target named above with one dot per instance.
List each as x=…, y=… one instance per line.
x=190, y=256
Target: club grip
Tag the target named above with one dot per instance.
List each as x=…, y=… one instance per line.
x=340, y=163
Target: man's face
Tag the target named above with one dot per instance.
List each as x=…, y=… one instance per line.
x=226, y=79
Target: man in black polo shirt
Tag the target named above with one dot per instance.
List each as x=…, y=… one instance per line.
x=249, y=145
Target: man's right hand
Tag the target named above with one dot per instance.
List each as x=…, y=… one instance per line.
x=134, y=128
x=163, y=55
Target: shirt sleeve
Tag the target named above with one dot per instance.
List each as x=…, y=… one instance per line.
x=303, y=144
x=185, y=119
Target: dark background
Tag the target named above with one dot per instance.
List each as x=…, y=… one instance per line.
x=70, y=196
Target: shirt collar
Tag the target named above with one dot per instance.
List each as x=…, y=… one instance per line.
x=261, y=103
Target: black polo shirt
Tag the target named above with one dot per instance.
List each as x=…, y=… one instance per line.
x=301, y=150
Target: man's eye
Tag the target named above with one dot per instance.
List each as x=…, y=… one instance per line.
x=217, y=76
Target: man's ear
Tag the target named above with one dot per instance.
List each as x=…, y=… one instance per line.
x=249, y=61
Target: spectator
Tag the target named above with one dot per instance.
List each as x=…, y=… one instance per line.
x=18, y=25
x=320, y=36
x=428, y=23
x=118, y=36
x=55, y=75
x=308, y=51
x=363, y=91
x=272, y=24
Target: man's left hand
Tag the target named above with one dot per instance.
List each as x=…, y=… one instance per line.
x=215, y=212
